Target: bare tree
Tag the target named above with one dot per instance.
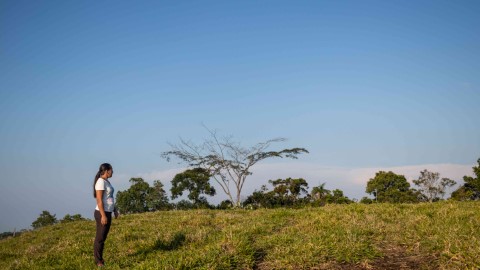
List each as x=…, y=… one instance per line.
x=227, y=161
x=432, y=186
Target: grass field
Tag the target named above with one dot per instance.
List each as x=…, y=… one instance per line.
x=443, y=235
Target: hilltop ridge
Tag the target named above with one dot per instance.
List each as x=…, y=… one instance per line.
x=379, y=236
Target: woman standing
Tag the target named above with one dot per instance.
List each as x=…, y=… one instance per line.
x=103, y=192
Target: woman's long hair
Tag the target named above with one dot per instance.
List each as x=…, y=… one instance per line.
x=103, y=168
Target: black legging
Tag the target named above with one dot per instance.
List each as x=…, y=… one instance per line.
x=101, y=236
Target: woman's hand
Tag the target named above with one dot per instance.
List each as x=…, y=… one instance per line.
x=104, y=220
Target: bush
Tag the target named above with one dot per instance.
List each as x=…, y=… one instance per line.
x=44, y=219
x=366, y=200
x=69, y=218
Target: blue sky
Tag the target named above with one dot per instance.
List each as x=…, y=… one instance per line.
x=360, y=84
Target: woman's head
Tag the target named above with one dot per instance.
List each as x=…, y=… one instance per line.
x=105, y=171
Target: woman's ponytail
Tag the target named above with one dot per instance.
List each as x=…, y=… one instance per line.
x=103, y=168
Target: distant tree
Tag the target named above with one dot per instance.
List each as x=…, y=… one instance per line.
x=140, y=197
x=69, y=218
x=44, y=219
x=337, y=197
x=470, y=190
x=5, y=235
x=156, y=198
x=286, y=192
x=226, y=161
x=431, y=186
x=390, y=187
x=197, y=182
x=66, y=218
x=202, y=203
x=289, y=189
x=225, y=204
x=261, y=199
x=462, y=194
x=77, y=217
x=184, y=205
x=366, y=200
x=319, y=195
x=12, y=234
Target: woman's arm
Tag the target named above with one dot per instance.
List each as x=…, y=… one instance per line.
x=99, y=194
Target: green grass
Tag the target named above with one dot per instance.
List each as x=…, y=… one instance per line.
x=444, y=235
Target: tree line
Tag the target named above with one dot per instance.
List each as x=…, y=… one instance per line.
x=227, y=162
x=384, y=187
x=44, y=219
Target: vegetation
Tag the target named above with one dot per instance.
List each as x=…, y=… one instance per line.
x=157, y=197
x=44, y=219
x=392, y=188
x=196, y=182
x=291, y=192
x=379, y=233
x=289, y=188
x=319, y=194
x=440, y=235
x=71, y=218
x=288, y=193
x=471, y=189
x=337, y=197
x=226, y=161
x=431, y=186
x=141, y=197
x=11, y=234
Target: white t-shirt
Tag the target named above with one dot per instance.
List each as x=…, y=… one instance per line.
x=108, y=201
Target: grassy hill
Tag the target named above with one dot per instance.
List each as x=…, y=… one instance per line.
x=444, y=235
